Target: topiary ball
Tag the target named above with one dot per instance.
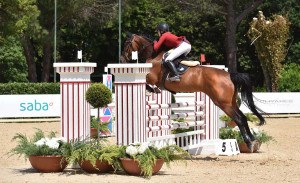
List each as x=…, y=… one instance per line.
x=98, y=95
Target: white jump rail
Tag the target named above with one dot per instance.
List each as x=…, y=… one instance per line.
x=175, y=116
x=175, y=126
x=173, y=105
x=186, y=141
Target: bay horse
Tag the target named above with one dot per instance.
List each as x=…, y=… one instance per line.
x=222, y=87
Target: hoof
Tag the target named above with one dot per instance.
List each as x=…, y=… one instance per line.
x=256, y=144
x=250, y=146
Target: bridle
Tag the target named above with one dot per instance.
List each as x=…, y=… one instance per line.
x=129, y=44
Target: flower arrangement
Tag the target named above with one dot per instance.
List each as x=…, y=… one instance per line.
x=94, y=150
x=38, y=145
x=234, y=133
x=146, y=154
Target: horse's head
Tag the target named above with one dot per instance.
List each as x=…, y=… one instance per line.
x=142, y=44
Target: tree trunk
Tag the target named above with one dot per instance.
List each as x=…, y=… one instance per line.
x=46, y=62
x=230, y=40
x=28, y=51
x=267, y=79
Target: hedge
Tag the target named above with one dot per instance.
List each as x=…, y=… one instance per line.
x=29, y=88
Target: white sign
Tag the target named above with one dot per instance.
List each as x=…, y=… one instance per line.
x=79, y=54
x=134, y=55
x=283, y=102
x=12, y=106
x=228, y=147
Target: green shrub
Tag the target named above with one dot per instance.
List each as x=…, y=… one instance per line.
x=98, y=95
x=29, y=88
x=234, y=133
x=290, y=77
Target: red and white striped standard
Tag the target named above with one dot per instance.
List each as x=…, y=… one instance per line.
x=130, y=87
x=211, y=127
x=75, y=110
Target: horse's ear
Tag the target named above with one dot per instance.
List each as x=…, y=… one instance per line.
x=129, y=34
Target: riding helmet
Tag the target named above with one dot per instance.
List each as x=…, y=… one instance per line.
x=163, y=27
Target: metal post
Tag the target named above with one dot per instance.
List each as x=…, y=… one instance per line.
x=119, y=30
x=54, y=74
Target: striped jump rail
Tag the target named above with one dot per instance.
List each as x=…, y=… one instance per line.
x=175, y=116
x=175, y=126
x=174, y=105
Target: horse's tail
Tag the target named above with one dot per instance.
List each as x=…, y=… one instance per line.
x=242, y=81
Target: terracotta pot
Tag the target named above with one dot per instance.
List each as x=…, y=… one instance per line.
x=132, y=167
x=231, y=124
x=94, y=132
x=244, y=148
x=102, y=166
x=47, y=164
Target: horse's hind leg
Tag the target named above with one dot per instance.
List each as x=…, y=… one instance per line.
x=243, y=117
x=240, y=121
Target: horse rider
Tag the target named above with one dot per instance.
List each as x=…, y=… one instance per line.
x=181, y=45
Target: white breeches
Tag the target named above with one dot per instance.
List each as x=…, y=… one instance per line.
x=183, y=48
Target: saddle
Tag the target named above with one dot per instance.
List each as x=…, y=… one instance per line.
x=181, y=63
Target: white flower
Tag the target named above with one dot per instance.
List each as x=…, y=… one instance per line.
x=53, y=144
x=255, y=19
x=131, y=150
x=256, y=131
x=143, y=148
x=62, y=139
x=41, y=142
x=267, y=22
x=236, y=129
x=158, y=146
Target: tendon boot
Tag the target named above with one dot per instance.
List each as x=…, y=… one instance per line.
x=172, y=67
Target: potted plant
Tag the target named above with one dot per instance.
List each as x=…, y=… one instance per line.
x=145, y=159
x=98, y=95
x=94, y=156
x=230, y=123
x=44, y=153
x=234, y=133
x=103, y=127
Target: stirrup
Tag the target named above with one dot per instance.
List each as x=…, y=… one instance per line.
x=174, y=78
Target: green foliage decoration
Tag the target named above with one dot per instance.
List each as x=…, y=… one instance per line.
x=234, y=133
x=146, y=154
x=290, y=77
x=269, y=38
x=98, y=95
x=38, y=145
x=92, y=151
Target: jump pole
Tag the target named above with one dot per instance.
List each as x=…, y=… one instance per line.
x=130, y=87
x=75, y=110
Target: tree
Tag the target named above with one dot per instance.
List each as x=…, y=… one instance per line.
x=269, y=38
x=234, y=12
x=33, y=22
x=12, y=61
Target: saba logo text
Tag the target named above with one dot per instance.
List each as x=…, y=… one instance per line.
x=35, y=106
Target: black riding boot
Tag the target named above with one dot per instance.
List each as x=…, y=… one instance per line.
x=172, y=67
